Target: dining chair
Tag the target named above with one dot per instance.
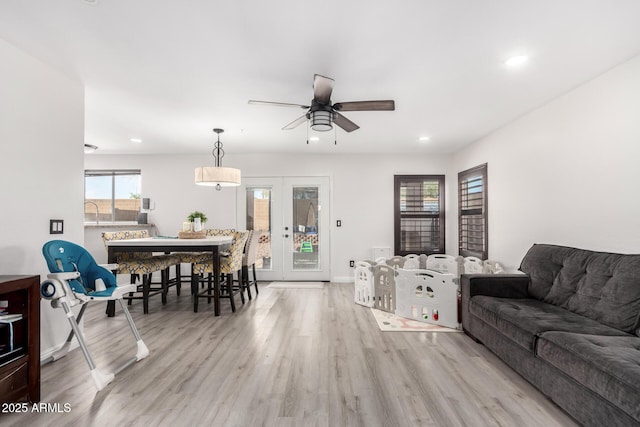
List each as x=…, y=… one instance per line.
x=145, y=264
x=249, y=259
x=192, y=258
x=229, y=265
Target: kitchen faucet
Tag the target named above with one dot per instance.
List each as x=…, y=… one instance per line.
x=97, y=211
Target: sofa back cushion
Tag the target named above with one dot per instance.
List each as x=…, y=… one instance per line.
x=601, y=286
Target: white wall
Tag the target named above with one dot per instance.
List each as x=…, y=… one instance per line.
x=41, y=169
x=361, y=194
x=566, y=173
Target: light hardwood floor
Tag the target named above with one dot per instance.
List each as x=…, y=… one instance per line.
x=290, y=357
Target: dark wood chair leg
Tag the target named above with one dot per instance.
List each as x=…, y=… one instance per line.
x=134, y=277
x=178, y=279
x=255, y=281
x=194, y=290
x=245, y=281
x=146, y=284
x=230, y=290
x=164, y=279
x=240, y=285
x=209, y=287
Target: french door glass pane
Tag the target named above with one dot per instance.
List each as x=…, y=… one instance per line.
x=305, y=228
x=259, y=220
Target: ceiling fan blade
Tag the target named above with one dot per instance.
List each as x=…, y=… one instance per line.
x=344, y=123
x=322, y=88
x=277, y=104
x=387, y=105
x=297, y=122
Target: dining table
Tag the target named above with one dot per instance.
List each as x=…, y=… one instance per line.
x=213, y=244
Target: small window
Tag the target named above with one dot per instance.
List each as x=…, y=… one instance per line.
x=472, y=212
x=419, y=214
x=111, y=195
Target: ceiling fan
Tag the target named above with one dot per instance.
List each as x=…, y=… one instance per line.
x=321, y=114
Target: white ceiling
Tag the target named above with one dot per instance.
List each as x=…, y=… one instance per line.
x=169, y=71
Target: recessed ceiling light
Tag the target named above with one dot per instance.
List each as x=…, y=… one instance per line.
x=424, y=139
x=136, y=140
x=514, y=61
x=314, y=139
x=91, y=2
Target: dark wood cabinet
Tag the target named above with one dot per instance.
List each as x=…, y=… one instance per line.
x=20, y=338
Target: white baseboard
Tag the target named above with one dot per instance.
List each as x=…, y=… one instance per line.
x=46, y=354
x=342, y=279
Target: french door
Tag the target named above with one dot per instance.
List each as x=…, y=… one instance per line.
x=292, y=213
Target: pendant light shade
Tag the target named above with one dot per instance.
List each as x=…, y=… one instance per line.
x=217, y=176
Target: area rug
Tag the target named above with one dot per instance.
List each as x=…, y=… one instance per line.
x=296, y=285
x=390, y=322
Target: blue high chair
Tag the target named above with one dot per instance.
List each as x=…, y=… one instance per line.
x=76, y=279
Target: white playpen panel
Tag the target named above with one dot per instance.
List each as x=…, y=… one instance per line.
x=445, y=264
x=473, y=265
x=411, y=262
x=384, y=285
x=364, y=292
x=427, y=296
x=395, y=261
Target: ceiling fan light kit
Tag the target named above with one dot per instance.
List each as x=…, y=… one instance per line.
x=217, y=176
x=320, y=120
x=322, y=115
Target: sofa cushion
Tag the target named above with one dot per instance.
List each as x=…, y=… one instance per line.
x=523, y=319
x=607, y=365
x=601, y=286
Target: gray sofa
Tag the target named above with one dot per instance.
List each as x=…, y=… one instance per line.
x=570, y=325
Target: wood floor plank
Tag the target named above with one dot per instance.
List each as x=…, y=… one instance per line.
x=289, y=357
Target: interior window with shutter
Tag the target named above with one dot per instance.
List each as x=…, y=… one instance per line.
x=472, y=212
x=419, y=214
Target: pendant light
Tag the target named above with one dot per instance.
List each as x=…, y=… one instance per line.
x=217, y=176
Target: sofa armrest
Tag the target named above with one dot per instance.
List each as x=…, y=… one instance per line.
x=494, y=285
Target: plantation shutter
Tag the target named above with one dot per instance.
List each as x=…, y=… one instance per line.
x=472, y=212
x=419, y=214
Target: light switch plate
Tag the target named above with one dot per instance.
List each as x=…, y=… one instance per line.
x=56, y=226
